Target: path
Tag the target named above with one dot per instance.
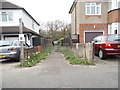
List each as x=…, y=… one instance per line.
x=54, y=72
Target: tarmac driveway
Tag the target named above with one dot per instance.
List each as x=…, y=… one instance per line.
x=55, y=72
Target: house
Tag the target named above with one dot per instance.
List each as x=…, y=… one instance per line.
x=9, y=24
x=89, y=19
x=114, y=18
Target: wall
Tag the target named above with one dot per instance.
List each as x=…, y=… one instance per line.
x=28, y=22
x=85, y=19
x=114, y=21
x=93, y=22
x=93, y=28
x=114, y=16
x=115, y=4
x=75, y=19
x=20, y=14
x=84, y=50
x=90, y=22
x=16, y=15
x=73, y=22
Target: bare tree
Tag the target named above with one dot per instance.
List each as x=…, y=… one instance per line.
x=56, y=29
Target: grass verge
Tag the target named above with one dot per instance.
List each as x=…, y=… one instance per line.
x=36, y=58
x=74, y=59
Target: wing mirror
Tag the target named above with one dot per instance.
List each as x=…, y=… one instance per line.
x=95, y=41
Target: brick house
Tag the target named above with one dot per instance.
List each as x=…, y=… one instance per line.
x=114, y=18
x=89, y=19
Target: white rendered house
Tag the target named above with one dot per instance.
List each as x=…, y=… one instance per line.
x=9, y=24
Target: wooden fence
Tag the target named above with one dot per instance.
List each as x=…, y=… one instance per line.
x=30, y=51
x=37, y=49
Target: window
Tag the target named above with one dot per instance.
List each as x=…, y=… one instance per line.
x=113, y=38
x=6, y=16
x=99, y=39
x=10, y=16
x=93, y=8
x=115, y=31
x=118, y=4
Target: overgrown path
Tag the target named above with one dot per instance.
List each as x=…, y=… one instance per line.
x=54, y=72
x=55, y=61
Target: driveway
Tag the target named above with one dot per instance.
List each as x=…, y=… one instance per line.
x=55, y=72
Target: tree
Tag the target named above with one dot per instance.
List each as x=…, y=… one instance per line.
x=55, y=30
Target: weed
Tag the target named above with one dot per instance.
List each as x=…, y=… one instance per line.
x=74, y=59
x=34, y=59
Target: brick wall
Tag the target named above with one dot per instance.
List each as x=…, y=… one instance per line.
x=114, y=16
x=91, y=27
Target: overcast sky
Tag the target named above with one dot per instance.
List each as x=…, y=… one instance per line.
x=46, y=10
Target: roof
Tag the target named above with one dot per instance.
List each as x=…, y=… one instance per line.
x=15, y=30
x=8, y=5
x=73, y=6
x=114, y=10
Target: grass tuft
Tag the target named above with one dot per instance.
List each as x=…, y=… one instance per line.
x=36, y=58
x=74, y=59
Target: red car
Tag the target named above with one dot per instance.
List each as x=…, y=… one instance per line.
x=106, y=45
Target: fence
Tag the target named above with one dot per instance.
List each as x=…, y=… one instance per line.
x=83, y=50
x=30, y=51
x=37, y=49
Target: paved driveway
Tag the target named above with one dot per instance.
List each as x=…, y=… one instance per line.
x=55, y=72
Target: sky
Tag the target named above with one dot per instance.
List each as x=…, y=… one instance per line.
x=47, y=10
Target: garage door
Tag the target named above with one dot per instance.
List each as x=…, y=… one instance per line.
x=90, y=35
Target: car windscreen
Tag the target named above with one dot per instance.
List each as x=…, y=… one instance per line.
x=5, y=43
x=16, y=43
x=113, y=38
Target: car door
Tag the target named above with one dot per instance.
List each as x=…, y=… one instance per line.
x=97, y=43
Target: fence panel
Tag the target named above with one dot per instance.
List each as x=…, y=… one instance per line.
x=30, y=51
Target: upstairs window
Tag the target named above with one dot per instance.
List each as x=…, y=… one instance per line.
x=6, y=16
x=10, y=16
x=93, y=8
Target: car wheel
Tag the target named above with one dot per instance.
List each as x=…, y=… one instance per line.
x=101, y=54
x=17, y=59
